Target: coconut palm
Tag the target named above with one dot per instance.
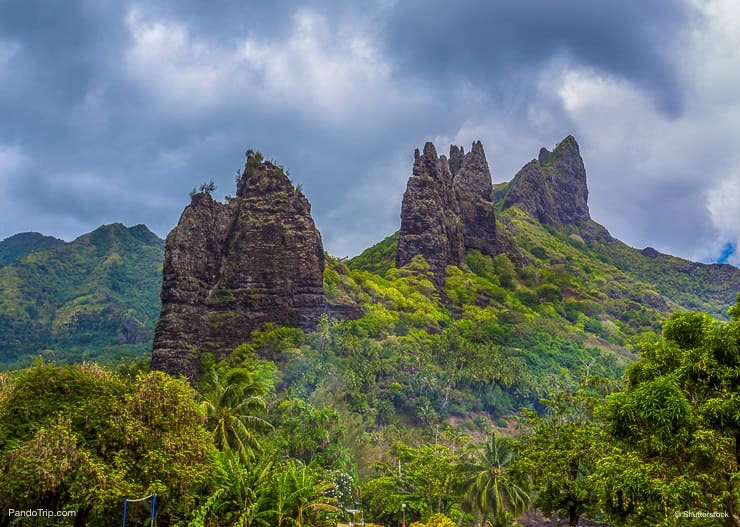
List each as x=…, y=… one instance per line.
x=302, y=495
x=488, y=489
x=233, y=401
x=241, y=495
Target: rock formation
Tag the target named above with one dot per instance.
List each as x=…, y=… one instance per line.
x=552, y=188
x=474, y=193
x=447, y=208
x=231, y=267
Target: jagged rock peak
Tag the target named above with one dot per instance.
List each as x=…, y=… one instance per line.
x=474, y=193
x=427, y=162
x=476, y=160
x=261, y=176
x=429, y=151
x=430, y=224
x=456, y=158
x=447, y=208
x=231, y=267
x=544, y=155
x=552, y=188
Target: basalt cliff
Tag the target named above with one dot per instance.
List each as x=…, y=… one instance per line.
x=447, y=208
x=552, y=188
x=231, y=267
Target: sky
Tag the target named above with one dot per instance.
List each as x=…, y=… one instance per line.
x=113, y=110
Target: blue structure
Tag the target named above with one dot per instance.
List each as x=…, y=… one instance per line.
x=154, y=507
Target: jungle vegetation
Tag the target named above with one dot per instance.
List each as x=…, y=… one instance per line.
x=250, y=446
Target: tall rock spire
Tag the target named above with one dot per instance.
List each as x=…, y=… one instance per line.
x=474, y=193
x=447, y=208
x=230, y=268
x=430, y=224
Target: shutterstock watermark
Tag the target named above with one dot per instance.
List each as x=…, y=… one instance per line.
x=40, y=513
x=700, y=514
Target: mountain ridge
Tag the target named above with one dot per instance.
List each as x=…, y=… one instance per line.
x=17, y=246
x=77, y=299
x=603, y=284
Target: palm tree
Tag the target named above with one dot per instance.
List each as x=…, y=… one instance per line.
x=488, y=489
x=242, y=494
x=232, y=401
x=302, y=495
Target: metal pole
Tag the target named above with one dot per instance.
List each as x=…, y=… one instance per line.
x=125, y=505
x=154, y=506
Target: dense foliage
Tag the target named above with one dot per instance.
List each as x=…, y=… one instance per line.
x=274, y=442
x=676, y=427
x=82, y=438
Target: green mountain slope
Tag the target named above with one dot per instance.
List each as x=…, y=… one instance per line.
x=95, y=297
x=498, y=338
x=19, y=245
x=709, y=288
x=503, y=335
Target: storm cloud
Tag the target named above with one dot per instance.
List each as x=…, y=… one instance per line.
x=113, y=111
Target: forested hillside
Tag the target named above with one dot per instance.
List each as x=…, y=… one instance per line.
x=96, y=297
x=301, y=438
x=19, y=245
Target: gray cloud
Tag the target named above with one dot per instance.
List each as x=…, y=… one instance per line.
x=113, y=111
x=489, y=42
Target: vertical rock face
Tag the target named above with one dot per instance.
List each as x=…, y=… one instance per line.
x=229, y=268
x=474, y=192
x=552, y=189
x=192, y=265
x=430, y=221
x=447, y=208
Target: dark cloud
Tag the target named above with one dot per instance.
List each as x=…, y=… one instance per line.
x=65, y=47
x=490, y=42
x=113, y=111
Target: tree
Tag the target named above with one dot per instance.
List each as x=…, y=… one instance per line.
x=425, y=478
x=676, y=426
x=208, y=188
x=489, y=489
x=254, y=159
x=233, y=400
x=558, y=454
x=302, y=495
x=237, y=494
x=82, y=438
x=269, y=490
x=310, y=434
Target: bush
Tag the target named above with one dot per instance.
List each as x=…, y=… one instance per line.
x=549, y=293
x=504, y=269
x=593, y=326
x=539, y=252
x=528, y=298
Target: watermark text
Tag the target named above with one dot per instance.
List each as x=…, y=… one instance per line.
x=40, y=513
x=700, y=514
